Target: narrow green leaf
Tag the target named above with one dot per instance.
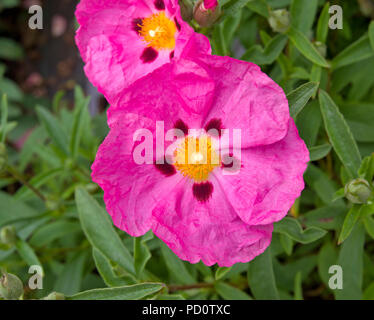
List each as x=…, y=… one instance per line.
x=176, y=266
x=319, y=152
x=306, y=48
x=54, y=129
x=303, y=14
x=369, y=292
x=70, y=280
x=53, y=231
x=298, y=98
x=292, y=228
x=273, y=49
x=327, y=257
x=287, y=243
x=298, y=290
x=260, y=7
x=369, y=226
x=323, y=24
x=106, y=271
x=4, y=117
x=351, y=262
x=228, y=292
x=371, y=34
x=104, y=238
x=221, y=272
x=232, y=7
x=340, y=135
x=141, y=255
x=357, y=51
x=349, y=222
x=27, y=253
x=261, y=277
x=134, y=292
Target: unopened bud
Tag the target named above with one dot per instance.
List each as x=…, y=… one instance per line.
x=279, y=20
x=55, y=296
x=186, y=9
x=358, y=191
x=8, y=235
x=3, y=156
x=204, y=16
x=11, y=287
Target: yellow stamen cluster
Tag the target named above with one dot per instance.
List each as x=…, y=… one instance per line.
x=196, y=158
x=158, y=31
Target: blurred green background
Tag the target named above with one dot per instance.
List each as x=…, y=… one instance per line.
x=53, y=120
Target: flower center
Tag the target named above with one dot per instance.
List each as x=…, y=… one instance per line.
x=196, y=158
x=158, y=31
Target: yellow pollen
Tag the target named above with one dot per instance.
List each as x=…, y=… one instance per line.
x=158, y=31
x=196, y=158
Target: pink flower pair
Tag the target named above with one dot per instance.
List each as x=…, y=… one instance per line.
x=217, y=206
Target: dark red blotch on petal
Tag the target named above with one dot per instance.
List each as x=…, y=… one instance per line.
x=202, y=191
x=149, y=55
x=165, y=168
x=171, y=55
x=136, y=24
x=177, y=24
x=214, y=124
x=181, y=126
x=160, y=5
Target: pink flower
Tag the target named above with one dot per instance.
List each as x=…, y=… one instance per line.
x=123, y=40
x=218, y=211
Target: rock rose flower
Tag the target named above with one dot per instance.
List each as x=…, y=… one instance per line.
x=123, y=40
x=218, y=203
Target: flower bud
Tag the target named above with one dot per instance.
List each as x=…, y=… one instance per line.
x=11, y=287
x=206, y=17
x=186, y=9
x=8, y=235
x=55, y=296
x=358, y=191
x=279, y=20
x=3, y=156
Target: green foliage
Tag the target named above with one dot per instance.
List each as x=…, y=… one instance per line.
x=57, y=214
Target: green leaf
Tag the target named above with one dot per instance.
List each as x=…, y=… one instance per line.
x=371, y=34
x=307, y=49
x=27, y=253
x=287, y=243
x=228, y=292
x=134, y=292
x=298, y=290
x=340, y=135
x=106, y=271
x=11, y=89
x=261, y=278
x=298, y=98
x=141, y=254
x=78, y=125
x=351, y=262
x=349, y=222
x=323, y=24
x=70, y=280
x=369, y=292
x=12, y=210
x=369, y=226
x=10, y=50
x=103, y=238
x=176, y=266
x=273, y=49
x=54, y=129
x=4, y=117
x=53, y=231
x=319, y=152
x=357, y=51
x=232, y=7
x=303, y=14
x=327, y=257
x=221, y=272
x=260, y=7
x=292, y=228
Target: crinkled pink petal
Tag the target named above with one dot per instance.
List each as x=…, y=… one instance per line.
x=112, y=49
x=270, y=179
x=210, y=232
